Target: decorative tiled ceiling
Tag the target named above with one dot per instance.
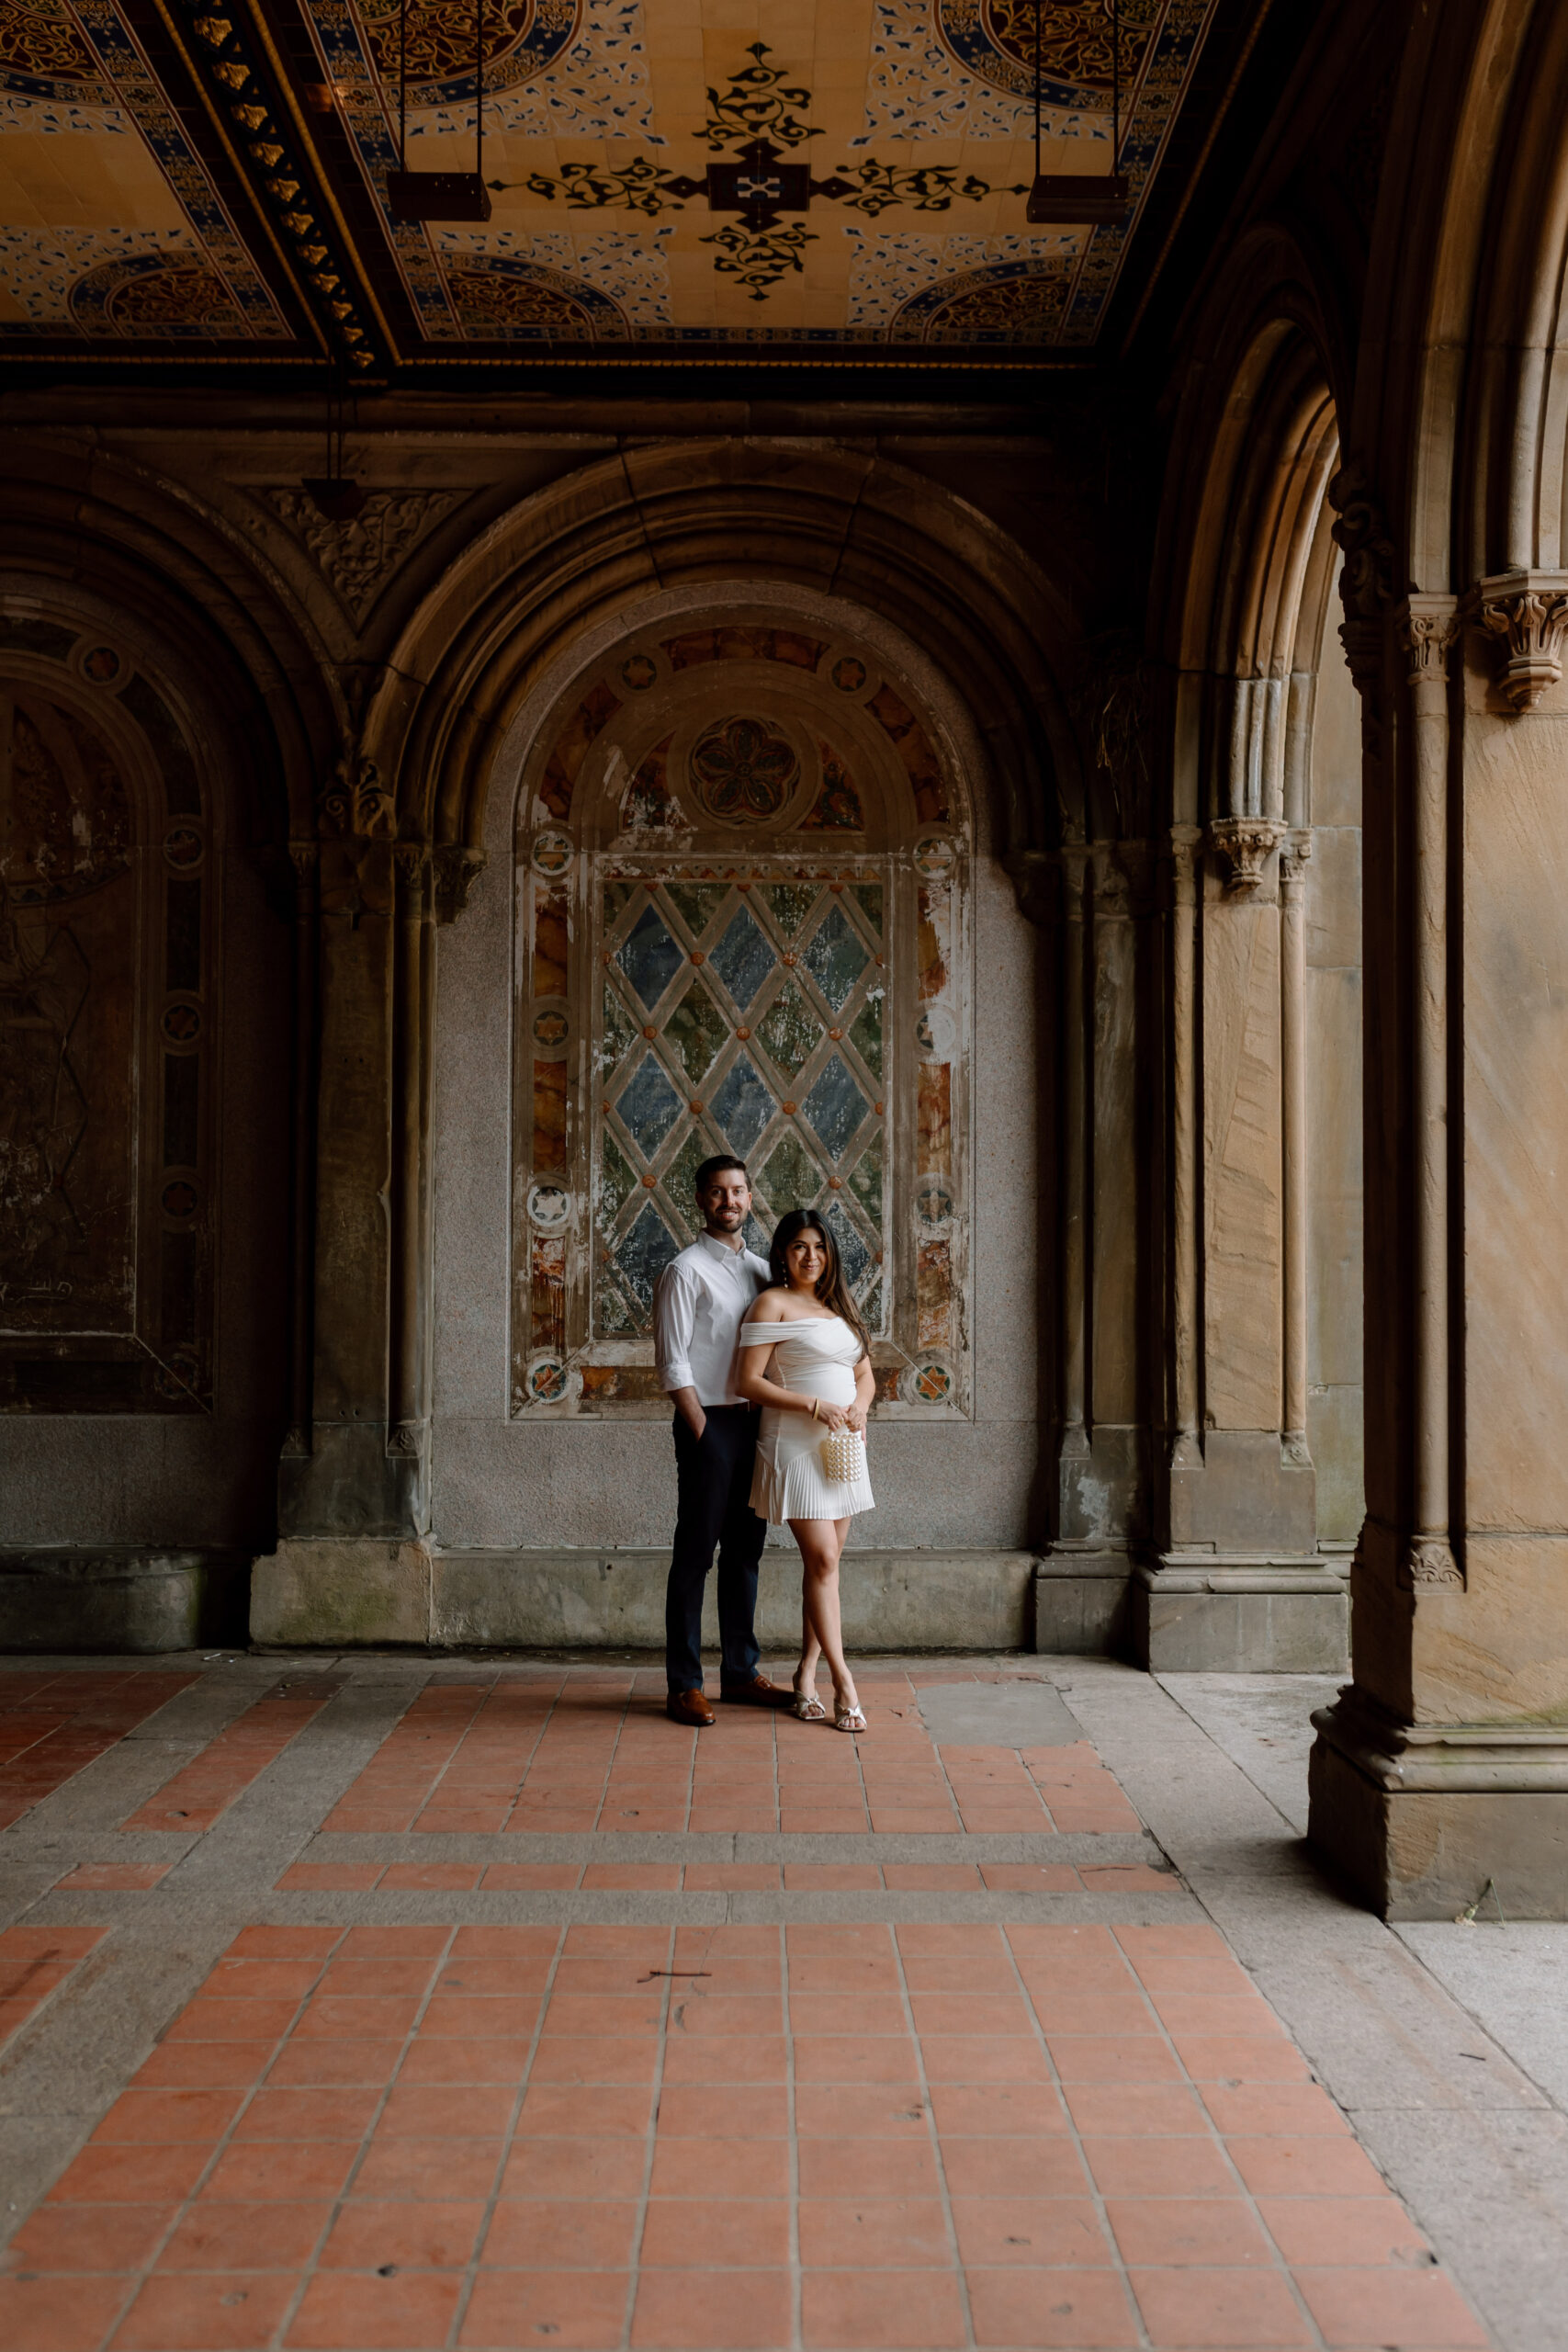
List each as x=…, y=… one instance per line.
x=189, y=175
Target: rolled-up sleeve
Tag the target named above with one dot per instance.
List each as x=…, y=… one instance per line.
x=674, y=1321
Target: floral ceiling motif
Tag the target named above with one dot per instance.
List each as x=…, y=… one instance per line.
x=657, y=174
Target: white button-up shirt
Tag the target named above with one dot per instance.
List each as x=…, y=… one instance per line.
x=699, y=1304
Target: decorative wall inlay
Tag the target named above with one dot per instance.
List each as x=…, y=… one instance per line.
x=355, y=558
x=733, y=956
x=106, y=956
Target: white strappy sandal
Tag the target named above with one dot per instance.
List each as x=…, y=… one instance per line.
x=808, y=1707
x=849, y=1719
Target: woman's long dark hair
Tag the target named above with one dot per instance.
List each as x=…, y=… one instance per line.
x=832, y=1288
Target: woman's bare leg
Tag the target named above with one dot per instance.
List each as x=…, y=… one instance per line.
x=821, y=1541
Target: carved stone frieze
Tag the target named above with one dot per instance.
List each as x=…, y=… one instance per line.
x=1428, y=629
x=1429, y=1561
x=1295, y=853
x=1246, y=844
x=457, y=868
x=1366, y=584
x=356, y=557
x=1527, y=613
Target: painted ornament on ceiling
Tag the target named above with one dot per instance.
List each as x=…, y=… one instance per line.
x=997, y=40
x=521, y=38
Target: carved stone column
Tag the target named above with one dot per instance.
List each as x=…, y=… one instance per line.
x=1445, y=1764
x=1238, y=1583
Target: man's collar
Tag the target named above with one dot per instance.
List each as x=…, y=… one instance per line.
x=721, y=1249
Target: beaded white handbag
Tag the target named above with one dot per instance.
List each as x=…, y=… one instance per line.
x=843, y=1456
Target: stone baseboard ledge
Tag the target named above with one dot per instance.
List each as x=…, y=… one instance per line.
x=1515, y=1759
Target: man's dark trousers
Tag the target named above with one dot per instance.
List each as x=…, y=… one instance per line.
x=714, y=1487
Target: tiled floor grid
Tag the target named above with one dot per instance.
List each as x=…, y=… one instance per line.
x=762, y=2126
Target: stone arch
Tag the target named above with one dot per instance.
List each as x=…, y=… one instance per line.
x=839, y=522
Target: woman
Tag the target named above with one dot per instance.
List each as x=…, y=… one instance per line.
x=805, y=1359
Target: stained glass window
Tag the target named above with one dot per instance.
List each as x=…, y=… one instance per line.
x=741, y=1059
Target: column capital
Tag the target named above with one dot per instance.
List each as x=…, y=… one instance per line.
x=457, y=869
x=1528, y=612
x=1245, y=844
x=1428, y=627
x=1295, y=850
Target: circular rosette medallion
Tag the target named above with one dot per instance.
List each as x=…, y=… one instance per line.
x=743, y=771
x=931, y=1383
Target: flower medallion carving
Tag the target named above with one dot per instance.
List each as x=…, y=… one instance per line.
x=742, y=771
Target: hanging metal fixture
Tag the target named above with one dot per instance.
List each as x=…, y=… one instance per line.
x=439, y=195
x=1096, y=200
x=336, y=494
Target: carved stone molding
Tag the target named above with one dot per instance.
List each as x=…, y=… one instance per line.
x=356, y=557
x=1295, y=854
x=1245, y=844
x=356, y=804
x=1366, y=584
x=457, y=868
x=1429, y=628
x=1429, y=1560
x=1528, y=612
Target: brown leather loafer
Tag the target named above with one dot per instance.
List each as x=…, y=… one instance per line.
x=758, y=1692
x=689, y=1707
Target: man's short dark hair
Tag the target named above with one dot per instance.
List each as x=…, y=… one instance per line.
x=715, y=1167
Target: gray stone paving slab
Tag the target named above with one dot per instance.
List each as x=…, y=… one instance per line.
x=1513, y=1980
x=1263, y=1722
x=1096, y=1845
x=997, y=1715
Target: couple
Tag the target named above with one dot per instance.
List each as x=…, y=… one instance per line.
x=731, y=1335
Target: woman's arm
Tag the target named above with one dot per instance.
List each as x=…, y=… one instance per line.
x=865, y=1393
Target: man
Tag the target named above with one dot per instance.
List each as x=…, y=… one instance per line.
x=703, y=1297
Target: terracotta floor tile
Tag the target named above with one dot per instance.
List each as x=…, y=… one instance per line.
x=1087, y=2310
x=598, y=2058
x=688, y=2110
x=210, y=2311
x=731, y=1877
x=89, y=2238
x=850, y=2058
x=59, y=2315
x=580, y=2312
x=352, y=2017
x=861, y=2111
x=399, y=2167
x=1029, y=1878
x=1219, y=2309
x=164, y=2115
x=592, y=2111
x=1324, y=2167
x=510, y=1876
x=435, y=1876
x=414, y=2309
x=575, y=2169
x=1014, y=2168
x=698, y=2009
x=316, y=2064
x=1356, y=2232
x=1150, y=2111
x=1411, y=2309
x=847, y=2310
x=1136, y=2058
x=129, y=2176
x=719, y=2060
x=1216, y=2230
x=691, y=2168
x=867, y=2168
x=716, y=2233
x=1093, y=2014
x=296, y=2113
x=857, y=2013
x=268, y=2171
x=1159, y=2167
x=416, y=2234
x=447, y=2111
x=863, y=2232
x=453, y=2013
x=561, y=2234
x=322, y=1878
x=213, y=2236
x=182, y=2064
x=1003, y=2110
x=731, y=2310
x=972, y=2058
x=1004, y=2231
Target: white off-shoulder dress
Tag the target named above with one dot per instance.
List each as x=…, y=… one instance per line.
x=817, y=1357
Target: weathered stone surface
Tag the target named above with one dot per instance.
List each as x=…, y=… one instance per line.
x=120, y=1600
x=347, y=1594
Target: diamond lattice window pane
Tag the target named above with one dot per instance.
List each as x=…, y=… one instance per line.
x=696, y=903
x=696, y=1029
x=616, y=1034
x=680, y=1178
x=617, y=1180
x=791, y=1179
x=646, y=1252
x=789, y=1031
x=649, y=956
x=865, y=1182
x=742, y=958
x=857, y=1258
x=870, y=897
x=836, y=1106
x=789, y=904
x=649, y=1106
x=742, y=1105
x=835, y=958
x=865, y=1033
